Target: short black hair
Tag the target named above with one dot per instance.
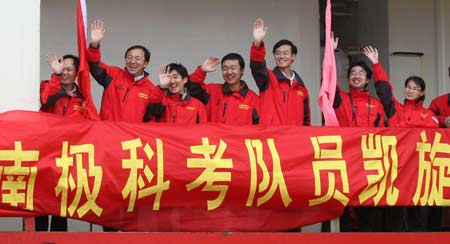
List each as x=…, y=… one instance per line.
x=179, y=68
x=76, y=60
x=419, y=82
x=144, y=49
x=234, y=56
x=363, y=65
x=282, y=43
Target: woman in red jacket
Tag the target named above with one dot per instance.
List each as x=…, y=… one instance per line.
x=409, y=114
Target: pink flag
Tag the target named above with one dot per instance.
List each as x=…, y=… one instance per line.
x=84, y=78
x=328, y=88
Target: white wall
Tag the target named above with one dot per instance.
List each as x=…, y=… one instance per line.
x=19, y=65
x=412, y=28
x=188, y=32
x=443, y=45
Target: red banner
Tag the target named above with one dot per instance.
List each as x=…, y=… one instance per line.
x=220, y=238
x=148, y=177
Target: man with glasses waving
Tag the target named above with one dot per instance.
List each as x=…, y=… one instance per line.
x=126, y=91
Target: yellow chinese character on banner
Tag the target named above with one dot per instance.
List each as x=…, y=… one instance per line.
x=17, y=180
x=331, y=162
x=380, y=155
x=433, y=175
x=255, y=153
x=209, y=176
x=136, y=186
x=85, y=183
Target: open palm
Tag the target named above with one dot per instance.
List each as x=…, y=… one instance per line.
x=97, y=31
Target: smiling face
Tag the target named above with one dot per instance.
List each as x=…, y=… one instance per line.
x=232, y=72
x=413, y=91
x=135, y=62
x=177, y=82
x=284, y=56
x=357, y=78
x=69, y=73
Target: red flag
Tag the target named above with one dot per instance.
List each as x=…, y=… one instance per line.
x=328, y=87
x=84, y=78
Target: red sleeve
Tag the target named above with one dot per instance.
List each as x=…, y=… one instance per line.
x=199, y=76
x=258, y=54
x=156, y=94
x=50, y=88
x=202, y=114
x=435, y=107
x=93, y=54
x=260, y=72
x=379, y=74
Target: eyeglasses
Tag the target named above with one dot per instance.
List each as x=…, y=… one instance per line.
x=414, y=88
x=137, y=59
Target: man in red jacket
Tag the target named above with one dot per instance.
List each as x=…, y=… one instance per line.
x=231, y=102
x=177, y=106
x=126, y=91
x=283, y=94
x=60, y=95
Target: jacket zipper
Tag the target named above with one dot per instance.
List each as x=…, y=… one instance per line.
x=284, y=96
x=126, y=94
x=224, y=110
x=64, y=109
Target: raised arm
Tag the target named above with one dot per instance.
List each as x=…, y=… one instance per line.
x=199, y=75
x=197, y=87
x=56, y=64
x=383, y=85
x=259, y=32
x=51, y=90
x=97, y=33
x=164, y=77
x=100, y=71
x=258, y=55
x=337, y=95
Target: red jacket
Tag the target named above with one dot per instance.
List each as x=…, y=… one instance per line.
x=441, y=108
x=177, y=109
x=409, y=114
x=123, y=99
x=358, y=109
x=56, y=100
x=222, y=104
x=281, y=103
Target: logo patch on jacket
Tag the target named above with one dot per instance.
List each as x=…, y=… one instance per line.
x=300, y=93
x=190, y=108
x=143, y=95
x=77, y=107
x=244, y=106
x=370, y=105
x=423, y=115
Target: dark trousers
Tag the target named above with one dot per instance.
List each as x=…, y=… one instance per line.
x=57, y=223
x=374, y=219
